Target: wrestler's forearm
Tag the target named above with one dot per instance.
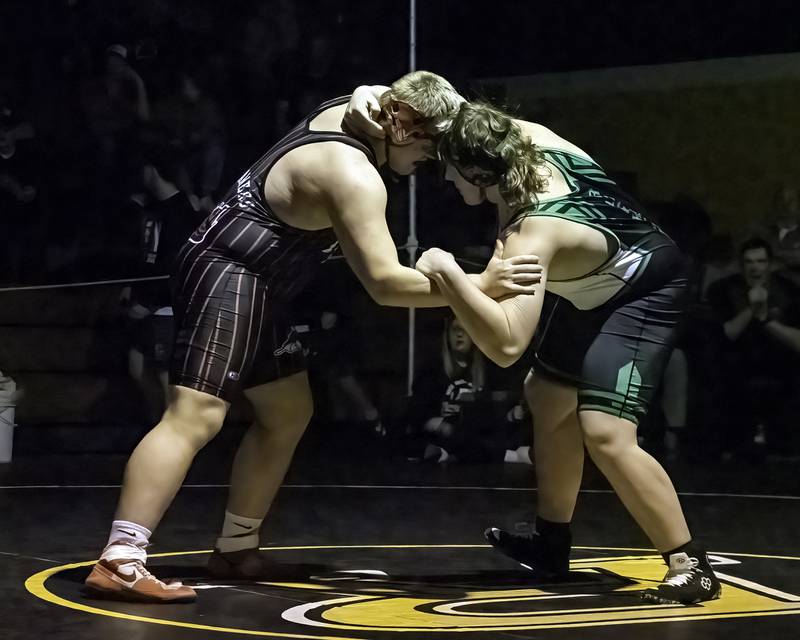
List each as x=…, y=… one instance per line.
x=483, y=318
x=410, y=288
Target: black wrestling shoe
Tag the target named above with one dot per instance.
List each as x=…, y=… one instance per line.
x=689, y=580
x=247, y=564
x=547, y=558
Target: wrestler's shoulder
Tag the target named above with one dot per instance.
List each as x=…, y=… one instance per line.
x=348, y=166
x=335, y=158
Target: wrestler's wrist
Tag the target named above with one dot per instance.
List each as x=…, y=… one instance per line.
x=481, y=281
x=446, y=266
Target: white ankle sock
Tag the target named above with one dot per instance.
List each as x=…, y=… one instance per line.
x=238, y=533
x=520, y=455
x=127, y=540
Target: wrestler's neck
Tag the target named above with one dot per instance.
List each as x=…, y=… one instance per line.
x=504, y=212
x=379, y=146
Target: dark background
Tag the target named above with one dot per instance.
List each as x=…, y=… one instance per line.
x=249, y=57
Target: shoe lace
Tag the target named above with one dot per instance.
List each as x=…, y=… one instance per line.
x=680, y=577
x=147, y=575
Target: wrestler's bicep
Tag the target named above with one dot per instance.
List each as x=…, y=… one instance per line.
x=529, y=237
x=357, y=209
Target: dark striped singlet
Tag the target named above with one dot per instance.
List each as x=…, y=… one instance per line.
x=236, y=274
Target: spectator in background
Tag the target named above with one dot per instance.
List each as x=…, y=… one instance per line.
x=331, y=361
x=196, y=126
x=19, y=177
x=665, y=431
x=666, y=428
x=337, y=350
x=165, y=217
x=206, y=141
x=718, y=261
x=784, y=233
x=300, y=89
x=759, y=314
x=269, y=46
x=125, y=88
x=464, y=410
x=115, y=104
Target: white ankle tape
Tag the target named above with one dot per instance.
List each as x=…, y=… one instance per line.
x=237, y=525
x=124, y=551
x=228, y=544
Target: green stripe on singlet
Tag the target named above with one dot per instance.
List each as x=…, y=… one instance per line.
x=603, y=394
x=629, y=380
x=619, y=411
x=574, y=163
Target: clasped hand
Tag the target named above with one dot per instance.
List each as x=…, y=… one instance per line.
x=501, y=277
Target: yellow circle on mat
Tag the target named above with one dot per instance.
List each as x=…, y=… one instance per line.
x=375, y=613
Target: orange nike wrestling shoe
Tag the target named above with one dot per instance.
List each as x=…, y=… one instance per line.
x=127, y=579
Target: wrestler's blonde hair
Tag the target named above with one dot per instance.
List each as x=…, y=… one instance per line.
x=430, y=95
x=487, y=137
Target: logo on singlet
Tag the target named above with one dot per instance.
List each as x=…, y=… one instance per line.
x=330, y=252
x=290, y=345
x=209, y=223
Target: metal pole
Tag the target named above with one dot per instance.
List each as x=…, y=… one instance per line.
x=411, y=242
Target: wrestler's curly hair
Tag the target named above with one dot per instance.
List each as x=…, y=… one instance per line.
x=488, y=137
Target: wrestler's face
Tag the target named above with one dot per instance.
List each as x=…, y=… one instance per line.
x=472, y=195
x=404, y=159
x=460, y=342
x=755, y=266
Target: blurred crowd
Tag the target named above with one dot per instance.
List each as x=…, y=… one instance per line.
x=109, y=86
x=120, y=132
x=731, y=388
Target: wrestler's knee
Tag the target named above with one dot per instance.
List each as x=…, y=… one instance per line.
x=606, y=437
x=195, y=416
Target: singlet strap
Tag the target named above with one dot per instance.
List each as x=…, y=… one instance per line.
x=336, y=136
x=333, y=102
x=303, y=135
x=324, y=136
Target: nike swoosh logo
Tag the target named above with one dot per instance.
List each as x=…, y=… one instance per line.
x=130, y=533
x=127, y=578
x=243, y=526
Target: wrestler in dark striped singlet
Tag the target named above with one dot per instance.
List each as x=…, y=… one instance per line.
x=234, y=279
